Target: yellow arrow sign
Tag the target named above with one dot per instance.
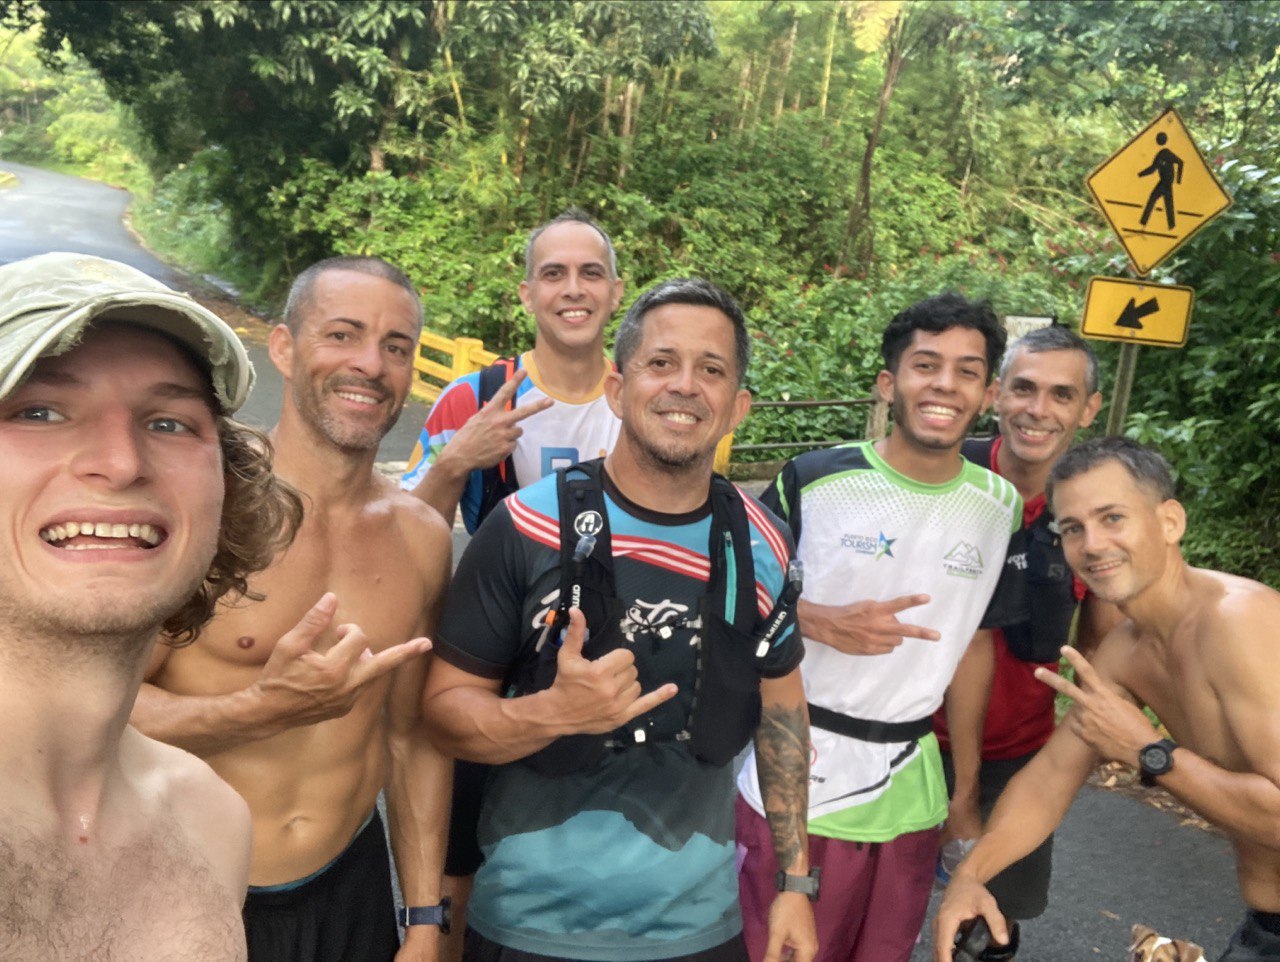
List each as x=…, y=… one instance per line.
x=1116, y=309
x=1156, y=191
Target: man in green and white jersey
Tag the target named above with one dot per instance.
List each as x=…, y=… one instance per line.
x=881, y=527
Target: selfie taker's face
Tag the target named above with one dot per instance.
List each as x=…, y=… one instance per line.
x=113, y=490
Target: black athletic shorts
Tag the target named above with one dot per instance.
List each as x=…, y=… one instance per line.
x=463, y=857
x=344, y=913
x=1257, y=939
x=1021, y=890
x=476, y=948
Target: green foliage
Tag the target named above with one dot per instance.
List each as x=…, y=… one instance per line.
x=63, y=117
x=827, y=162
x=1215, y=411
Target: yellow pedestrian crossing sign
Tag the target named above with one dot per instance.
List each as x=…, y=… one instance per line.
x=1157, y=191
x=1118, y=309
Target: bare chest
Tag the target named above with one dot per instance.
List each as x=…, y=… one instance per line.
x=1180, y=692
x=368, y=567
x=148, y=901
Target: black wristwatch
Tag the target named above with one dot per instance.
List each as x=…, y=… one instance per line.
x=1155, y=760
x=804, y=884
x=427, y=915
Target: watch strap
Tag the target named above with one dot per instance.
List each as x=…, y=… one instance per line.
x=427, y=915
x=804, y=884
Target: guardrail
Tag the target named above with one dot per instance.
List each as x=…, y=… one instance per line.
x=464, y=354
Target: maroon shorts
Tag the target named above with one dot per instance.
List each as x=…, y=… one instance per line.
x=873, y=895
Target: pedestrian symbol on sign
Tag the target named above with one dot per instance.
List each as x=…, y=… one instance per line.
x=1164, y=165
x=1159, y=170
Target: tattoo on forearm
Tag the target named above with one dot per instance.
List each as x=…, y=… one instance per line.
x=782, y=761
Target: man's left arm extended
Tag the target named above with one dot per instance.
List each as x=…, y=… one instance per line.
x=782, y=760
x=1245, y=804
x=966, y=706
x=420, y=789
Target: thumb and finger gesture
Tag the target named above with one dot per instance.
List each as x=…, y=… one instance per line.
x=599, y=695
x=310, y=685
x=1104, y=717
x=491, y=434
x=874, y=628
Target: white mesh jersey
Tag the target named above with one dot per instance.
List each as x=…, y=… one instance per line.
x=866, y=532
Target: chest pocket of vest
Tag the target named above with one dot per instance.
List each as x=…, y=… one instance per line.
x=726, y=709
x=1051, y=602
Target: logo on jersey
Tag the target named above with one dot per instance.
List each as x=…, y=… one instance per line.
x=661, y=618
x=963, y=561
x=588, y=523
x=864, y=544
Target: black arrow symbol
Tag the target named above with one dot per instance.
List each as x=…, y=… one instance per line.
x=1132, y=316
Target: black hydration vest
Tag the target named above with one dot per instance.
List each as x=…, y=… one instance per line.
x=726, y=700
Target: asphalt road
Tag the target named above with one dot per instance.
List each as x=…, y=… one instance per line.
x=1117, y=861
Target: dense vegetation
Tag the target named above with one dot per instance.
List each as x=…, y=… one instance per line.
x=826, y=161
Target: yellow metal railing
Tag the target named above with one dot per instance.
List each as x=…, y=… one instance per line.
x=464, y=355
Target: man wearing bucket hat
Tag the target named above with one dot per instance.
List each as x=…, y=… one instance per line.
x=310, y=723
x=130, y=504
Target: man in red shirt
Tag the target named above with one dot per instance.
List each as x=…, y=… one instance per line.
x=1048, y=390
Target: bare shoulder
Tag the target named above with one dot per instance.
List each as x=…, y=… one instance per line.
x=1117, y=656
x=421, y=525
x=1237, y=619
x=212, y=817
x=1232, y=599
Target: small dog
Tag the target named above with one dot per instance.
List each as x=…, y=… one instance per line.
x=1150, y=947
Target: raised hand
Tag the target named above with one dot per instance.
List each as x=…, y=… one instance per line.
x=306, y=686
x=863, y=627
x=1104, y=717
x=490, y=435
x=593, y=697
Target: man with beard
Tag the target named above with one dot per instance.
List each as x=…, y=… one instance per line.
x=607, y=825
x=1198, y=648
x=872, y=519
x=131, y=502
x=310, y=722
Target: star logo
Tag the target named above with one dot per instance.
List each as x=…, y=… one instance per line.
x=884, y=547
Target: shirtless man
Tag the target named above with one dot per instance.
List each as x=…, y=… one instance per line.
x=1197, y=648
x=130, y=502
x=304, y=722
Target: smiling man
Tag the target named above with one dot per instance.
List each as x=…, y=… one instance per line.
x=497, y=430
x=872, y=521
x=1197, y=648
x=130, y=503
x=607, y=825
x=309, y=723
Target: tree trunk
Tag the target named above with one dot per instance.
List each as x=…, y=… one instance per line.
x=608, y=98
x=521, y=146
x=457, y=90
x=629, y=101
x=828, y=57
x=744, y=84
x=787, y=51
x=858, y=226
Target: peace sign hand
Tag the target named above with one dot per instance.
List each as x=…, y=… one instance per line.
x=1104, y=717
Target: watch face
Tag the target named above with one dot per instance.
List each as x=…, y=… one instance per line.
x=1155, y=759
